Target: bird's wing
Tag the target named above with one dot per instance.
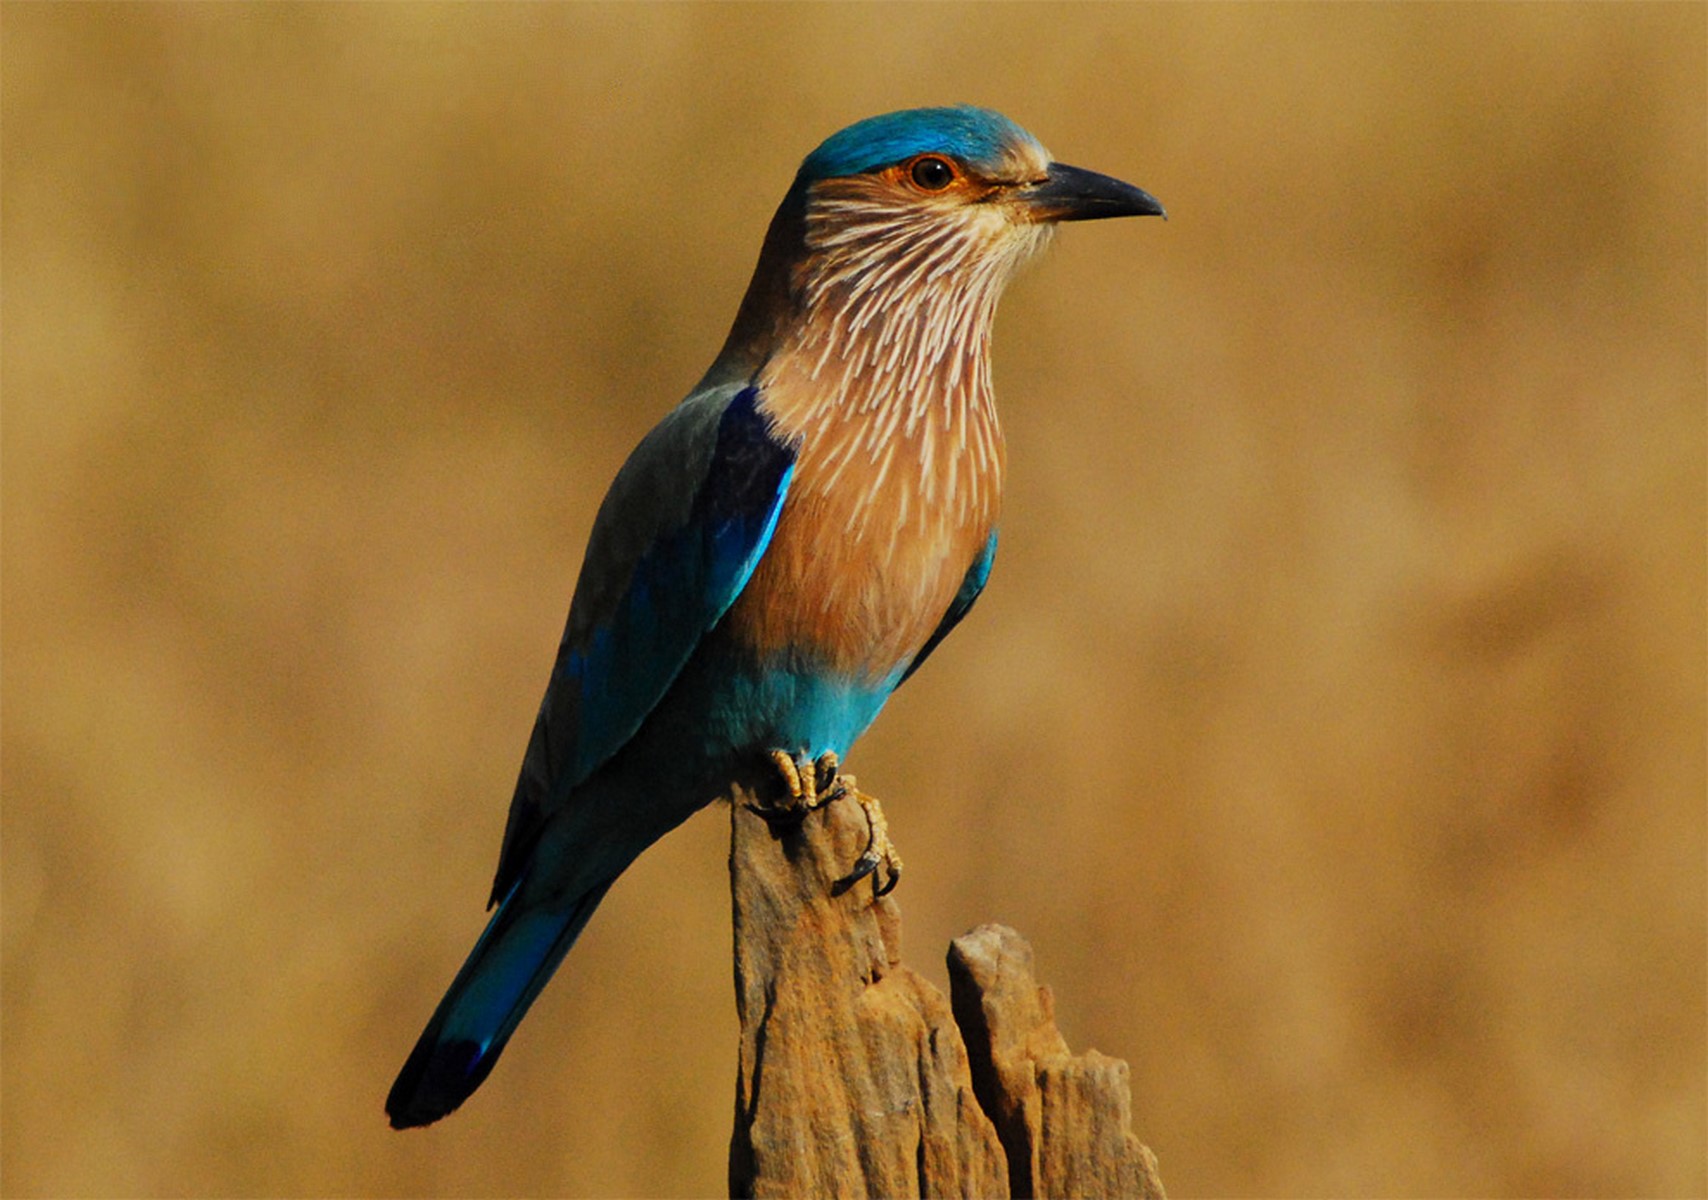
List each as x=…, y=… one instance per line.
x=972, y=583
x=675, y=541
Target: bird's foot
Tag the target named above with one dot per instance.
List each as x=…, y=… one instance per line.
x=880, y=851
x=812, y=784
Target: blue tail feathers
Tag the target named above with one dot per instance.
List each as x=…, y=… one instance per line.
x=504, y=973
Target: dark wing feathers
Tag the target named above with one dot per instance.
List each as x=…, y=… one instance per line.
x=675, y=541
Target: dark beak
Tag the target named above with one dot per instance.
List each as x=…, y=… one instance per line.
x=1075, y=194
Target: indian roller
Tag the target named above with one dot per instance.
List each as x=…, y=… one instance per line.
x=783, y=550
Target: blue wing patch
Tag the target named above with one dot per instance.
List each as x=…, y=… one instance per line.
x=676, y=539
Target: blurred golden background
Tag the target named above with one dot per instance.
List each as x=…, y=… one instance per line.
x=1333, y=725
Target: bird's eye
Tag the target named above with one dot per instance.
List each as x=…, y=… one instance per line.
x=931, y=173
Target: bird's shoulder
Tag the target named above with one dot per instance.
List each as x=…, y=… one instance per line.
x=671, y=472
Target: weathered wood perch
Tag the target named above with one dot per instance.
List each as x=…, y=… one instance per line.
x=857, y=1078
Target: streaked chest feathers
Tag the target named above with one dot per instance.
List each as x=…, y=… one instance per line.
x=886, y=384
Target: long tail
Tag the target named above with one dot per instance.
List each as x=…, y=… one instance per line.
x=488, y=999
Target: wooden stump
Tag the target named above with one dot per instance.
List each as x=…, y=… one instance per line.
x=855, y=1074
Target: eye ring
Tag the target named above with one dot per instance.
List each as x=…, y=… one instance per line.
x=931, y=173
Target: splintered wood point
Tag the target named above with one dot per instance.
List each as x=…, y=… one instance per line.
x=858, y=1078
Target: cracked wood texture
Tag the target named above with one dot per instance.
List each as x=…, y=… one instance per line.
x=858, y=1078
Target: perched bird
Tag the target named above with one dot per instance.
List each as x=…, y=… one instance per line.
x=785, y=547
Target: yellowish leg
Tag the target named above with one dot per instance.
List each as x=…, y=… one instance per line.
x=812, y=785
x=879, y=849
x=800, y=779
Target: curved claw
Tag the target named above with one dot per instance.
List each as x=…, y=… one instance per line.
x=863, y=866
x=827, y=775
x=812, y=784
x=867, y=864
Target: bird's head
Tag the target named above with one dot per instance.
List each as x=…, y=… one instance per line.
x=913, y=214
x=957, y=164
